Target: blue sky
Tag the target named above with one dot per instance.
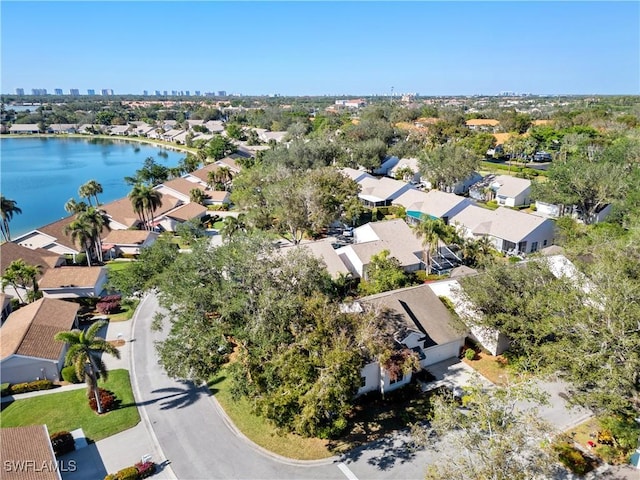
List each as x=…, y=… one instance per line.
x=317, y=48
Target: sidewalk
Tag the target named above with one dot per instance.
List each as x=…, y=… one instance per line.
x=22, y=396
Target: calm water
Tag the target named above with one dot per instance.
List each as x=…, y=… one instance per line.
x=41, y=174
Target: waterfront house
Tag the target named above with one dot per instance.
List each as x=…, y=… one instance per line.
x=127, y=242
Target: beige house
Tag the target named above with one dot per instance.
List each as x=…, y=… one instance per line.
x=73, y=282
x=27, y=349
x=127, y=242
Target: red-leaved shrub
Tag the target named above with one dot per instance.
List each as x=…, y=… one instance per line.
x=107, y=400
x=145, y=469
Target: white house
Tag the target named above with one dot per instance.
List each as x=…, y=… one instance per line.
x=371, y=239
x=434, y=204
x=510, y=231
x=323, y=250
x=51, y=237
x=355, y=175
x=63, y=128
x=492, y=340
x=27, y=349
x=422, y=324
x=511, y=191
x=73, y=282
x=127, y=242
x=171, y=219
x=381, y=192
x=409, y=164
x=24, y=128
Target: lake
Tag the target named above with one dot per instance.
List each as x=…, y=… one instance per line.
x=42, y=173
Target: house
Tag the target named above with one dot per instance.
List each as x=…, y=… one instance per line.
x=170, y=135
x=324, y=251
x=230, y=162
x=381, y=192
x=127, y=242
x=266, y=136
x=88, y=128
x=24, y=128
x=122, y=130
x=121, y=215
x=355, y=175
x=27, y=454
x=180, y=188
x=434, y=204
x=352, y=103
x=27, y=349
x=41, y=257
x=51, y=237
x=171, y=219
x=201, y=175
x=422, y=324
x=508, y=191
x=511, y=231
x=215, y=126
x=371, y=239
x=482, y=124
x=410, y=168
x=73, y=282
x=63, y=128
x=492, y=340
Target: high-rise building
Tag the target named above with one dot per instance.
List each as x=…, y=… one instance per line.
x=165, y=93
x=38, y=91
x=20, y=91
x=58, y=91
x=174, y=92
x=145, y=93
x=74, y=92
x=91, y=91
x=187, y=93
x=107, y=91
x=222, y=93
x=157, y=93
x=197, y=93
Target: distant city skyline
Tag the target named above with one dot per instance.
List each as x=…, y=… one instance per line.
x=322, y=48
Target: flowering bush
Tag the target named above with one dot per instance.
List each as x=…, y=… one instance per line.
x=108, y=400
x=145, y=469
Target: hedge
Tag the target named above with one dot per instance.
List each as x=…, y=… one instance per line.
x=5, y=389
x=138, y=471
x=31, y=386
x=62, y=442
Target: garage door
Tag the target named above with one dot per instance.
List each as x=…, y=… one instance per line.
x=439, y=353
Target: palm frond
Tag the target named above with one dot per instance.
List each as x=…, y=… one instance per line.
x=70, y=337
x=93, y=329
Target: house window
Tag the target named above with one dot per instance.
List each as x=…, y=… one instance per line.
x=363, y=382
x=534, y=247
x=395, y=380
x=544, y=244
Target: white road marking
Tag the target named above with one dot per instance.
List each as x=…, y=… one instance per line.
x=348, y=473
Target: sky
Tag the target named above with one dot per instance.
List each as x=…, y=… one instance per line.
x=322, y=48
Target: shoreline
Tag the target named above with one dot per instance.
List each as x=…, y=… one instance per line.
x=150, y=141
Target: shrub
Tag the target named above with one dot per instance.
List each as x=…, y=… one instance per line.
x=69, y=374
x=107, y=308
x=145, y=469
x=107, y=400
x=62, y=442
x=128, y=473
x=572, y=458
x=5, y=389
x=470, y=354
x=31, y=386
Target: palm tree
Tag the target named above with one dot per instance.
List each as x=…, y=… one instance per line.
x=98, y=221
x=8, y=208
x=85, y=192
x=73, y=207
x=197, y=196
x=232, y=225
x=225, y=176
x=84, y=354
x=19, y=274
x=81, y=232
x=94, y=188
x=145, y=201
x=433, y=231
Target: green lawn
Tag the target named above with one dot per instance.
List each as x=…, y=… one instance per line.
x=260, y=431
x=126, y=312
x=116, y=266
x=218, y=225
x=70, y=410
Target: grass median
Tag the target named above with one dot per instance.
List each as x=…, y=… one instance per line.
x=70, y=410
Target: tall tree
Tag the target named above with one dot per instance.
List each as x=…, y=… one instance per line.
x=446, y=165
x=73, y=206
x=145, y=201
x=8, y=208
x=433, y=232
x=98, y=221
x=19, y=275
x=85, y=350
x=91, y=189
x=82, y=234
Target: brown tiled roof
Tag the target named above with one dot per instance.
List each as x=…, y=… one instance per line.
x=12, y=251
x=31, y=446
x=122, y=212
x=182, y=185
x=187, y=211
x=30, y=330
x=203, y=173
x=70, y=277
x=128, y=237
x=56, y=230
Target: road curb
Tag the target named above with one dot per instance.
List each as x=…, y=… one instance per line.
x=263, y=451
x=143, y=413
